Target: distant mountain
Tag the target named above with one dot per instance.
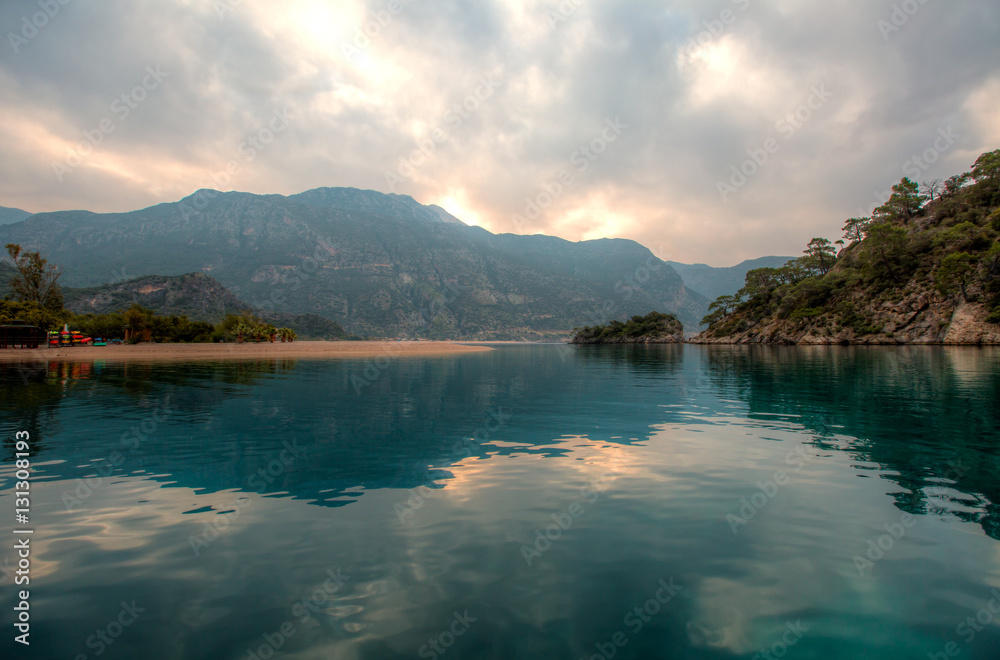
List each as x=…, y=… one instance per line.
x=714, y=282
x=10, y=216
x=381, y=265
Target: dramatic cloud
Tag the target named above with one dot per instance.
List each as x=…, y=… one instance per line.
x=579, y=118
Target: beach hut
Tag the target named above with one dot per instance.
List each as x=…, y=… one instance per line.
x=20, y=334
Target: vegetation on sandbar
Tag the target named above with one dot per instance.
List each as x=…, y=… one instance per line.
x=655, y=326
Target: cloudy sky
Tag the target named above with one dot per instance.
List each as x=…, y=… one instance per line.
x=580, y=118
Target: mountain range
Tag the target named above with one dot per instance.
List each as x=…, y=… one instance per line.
x=713, y=282
x=10, y=216
x=380, y=265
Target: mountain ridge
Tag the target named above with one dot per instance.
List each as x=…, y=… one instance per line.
x=9, y=216
x=713, y=281
x=377, y=264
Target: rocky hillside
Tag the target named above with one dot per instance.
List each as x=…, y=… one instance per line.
x=195, y=295
x=916, y=272
x=381, y=265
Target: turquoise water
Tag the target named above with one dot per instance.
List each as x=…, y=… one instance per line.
x=532, y=502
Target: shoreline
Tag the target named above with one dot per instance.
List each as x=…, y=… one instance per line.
x=316, y=350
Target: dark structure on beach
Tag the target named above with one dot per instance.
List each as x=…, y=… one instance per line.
x=20, y=334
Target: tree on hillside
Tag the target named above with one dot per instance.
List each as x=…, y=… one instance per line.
x=955, y=183
x=720, y=308
x=820, y=255
x=987, y=167
x=931, y=188
x=886, y=246
x=854, y=228
x=904, y=203
x=37, y=281
x=956, y=270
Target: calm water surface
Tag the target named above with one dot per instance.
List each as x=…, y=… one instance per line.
x=533, y=502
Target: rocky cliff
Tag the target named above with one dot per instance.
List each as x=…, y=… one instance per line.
x=922, y=316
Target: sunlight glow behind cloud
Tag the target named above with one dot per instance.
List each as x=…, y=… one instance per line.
x=362, y=105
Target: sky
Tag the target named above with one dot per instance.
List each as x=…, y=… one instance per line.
x=710, y=131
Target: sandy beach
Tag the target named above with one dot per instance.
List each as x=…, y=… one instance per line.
x=231, y=351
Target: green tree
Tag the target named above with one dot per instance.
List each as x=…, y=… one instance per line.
x=138, y=317
x=987, y=166
x=903, y=204
x=820, y=255
x=37, y=280
x=956, y=271
x=720, y=308
x=32, y=312
x=886, y=247
x=931, y=188
x=954, y=184
x=854, y=228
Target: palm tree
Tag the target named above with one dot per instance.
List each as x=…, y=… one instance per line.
x=241, y=329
